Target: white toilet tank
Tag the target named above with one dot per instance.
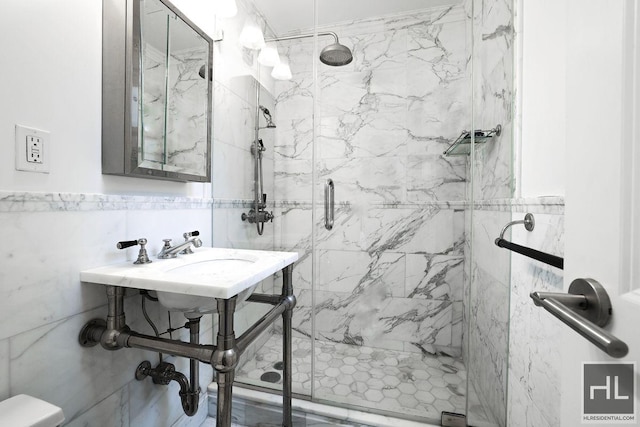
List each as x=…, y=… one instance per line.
x=27, y=411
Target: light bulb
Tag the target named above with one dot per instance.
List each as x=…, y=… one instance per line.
x=281, y=71
x=251, y=36
x=269, y=55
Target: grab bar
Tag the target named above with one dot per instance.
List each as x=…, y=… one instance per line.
x=329, y=204
x=529, y=225
x=585, y=309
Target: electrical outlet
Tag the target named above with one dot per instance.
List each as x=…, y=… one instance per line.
x=32, y=149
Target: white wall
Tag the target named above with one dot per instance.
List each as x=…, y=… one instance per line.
x=51, y=80
x=542, y=92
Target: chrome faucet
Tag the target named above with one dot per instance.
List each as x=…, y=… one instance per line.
x=169, y=251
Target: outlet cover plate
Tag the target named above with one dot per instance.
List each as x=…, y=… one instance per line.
x=25, y=134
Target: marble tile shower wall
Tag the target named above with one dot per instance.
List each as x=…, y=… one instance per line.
x=489, y=266
x=236, y=73
x=390, y=271
x=534, y=359
x=49, y=238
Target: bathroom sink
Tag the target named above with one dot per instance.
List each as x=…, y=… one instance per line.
x=208, y=269
x=191, y=283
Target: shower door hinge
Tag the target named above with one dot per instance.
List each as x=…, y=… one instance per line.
x=452, y=419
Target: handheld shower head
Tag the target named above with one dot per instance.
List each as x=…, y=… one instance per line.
x=267, y=116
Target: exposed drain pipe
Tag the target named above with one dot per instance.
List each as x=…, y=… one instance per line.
x=166, y=372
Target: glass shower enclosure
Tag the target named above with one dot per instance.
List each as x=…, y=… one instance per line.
x=391, y=314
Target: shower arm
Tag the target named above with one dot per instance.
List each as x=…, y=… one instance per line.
x=302, y=36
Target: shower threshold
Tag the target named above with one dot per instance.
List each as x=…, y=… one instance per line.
x=254, y=408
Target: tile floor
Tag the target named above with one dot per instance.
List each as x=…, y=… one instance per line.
x=399, y=382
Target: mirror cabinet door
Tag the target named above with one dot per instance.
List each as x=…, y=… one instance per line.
x=165, y=72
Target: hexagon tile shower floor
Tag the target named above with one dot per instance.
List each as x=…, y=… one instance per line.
x=389, y=380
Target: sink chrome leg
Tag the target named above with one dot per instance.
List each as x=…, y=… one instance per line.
x=287, y=292
x=225, y=360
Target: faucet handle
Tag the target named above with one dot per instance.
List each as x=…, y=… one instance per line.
x=143, y=257
x=126, y=244
x=196, y=242
x=191, y=234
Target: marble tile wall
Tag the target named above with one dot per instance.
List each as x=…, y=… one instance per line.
x=488, y=292
x=493, y=30
x=534, y=360
x=237, y=76
x=488, y=299
x=168, y=140
x=390, y=271
x=50, y=238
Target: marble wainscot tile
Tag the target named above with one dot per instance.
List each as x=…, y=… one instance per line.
x=520, y=410
x=152, y=405
x=45, y=276
x=434, y=276
x=489, y=257
x=11, y=201
x=534, y=342
x=242, y=234
x=112, y=411
x=82, y=376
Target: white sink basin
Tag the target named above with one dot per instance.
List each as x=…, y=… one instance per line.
x=191, y=283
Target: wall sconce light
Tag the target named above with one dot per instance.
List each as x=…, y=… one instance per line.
x=269, y=56
x=251, y=36
x=281, y=71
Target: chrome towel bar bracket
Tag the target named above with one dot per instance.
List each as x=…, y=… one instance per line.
x=529, y=224
x=585, y=309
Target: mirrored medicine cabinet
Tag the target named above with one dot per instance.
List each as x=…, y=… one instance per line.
x=156, y=92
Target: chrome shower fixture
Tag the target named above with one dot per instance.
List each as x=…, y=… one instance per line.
x=335, y=54
x=267, y=117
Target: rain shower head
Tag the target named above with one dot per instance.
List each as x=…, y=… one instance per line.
x=336, y=54
x=267, y=116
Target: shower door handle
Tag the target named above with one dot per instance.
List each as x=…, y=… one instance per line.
x=329, y=204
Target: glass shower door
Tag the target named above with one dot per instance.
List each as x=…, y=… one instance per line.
x=388, y=275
